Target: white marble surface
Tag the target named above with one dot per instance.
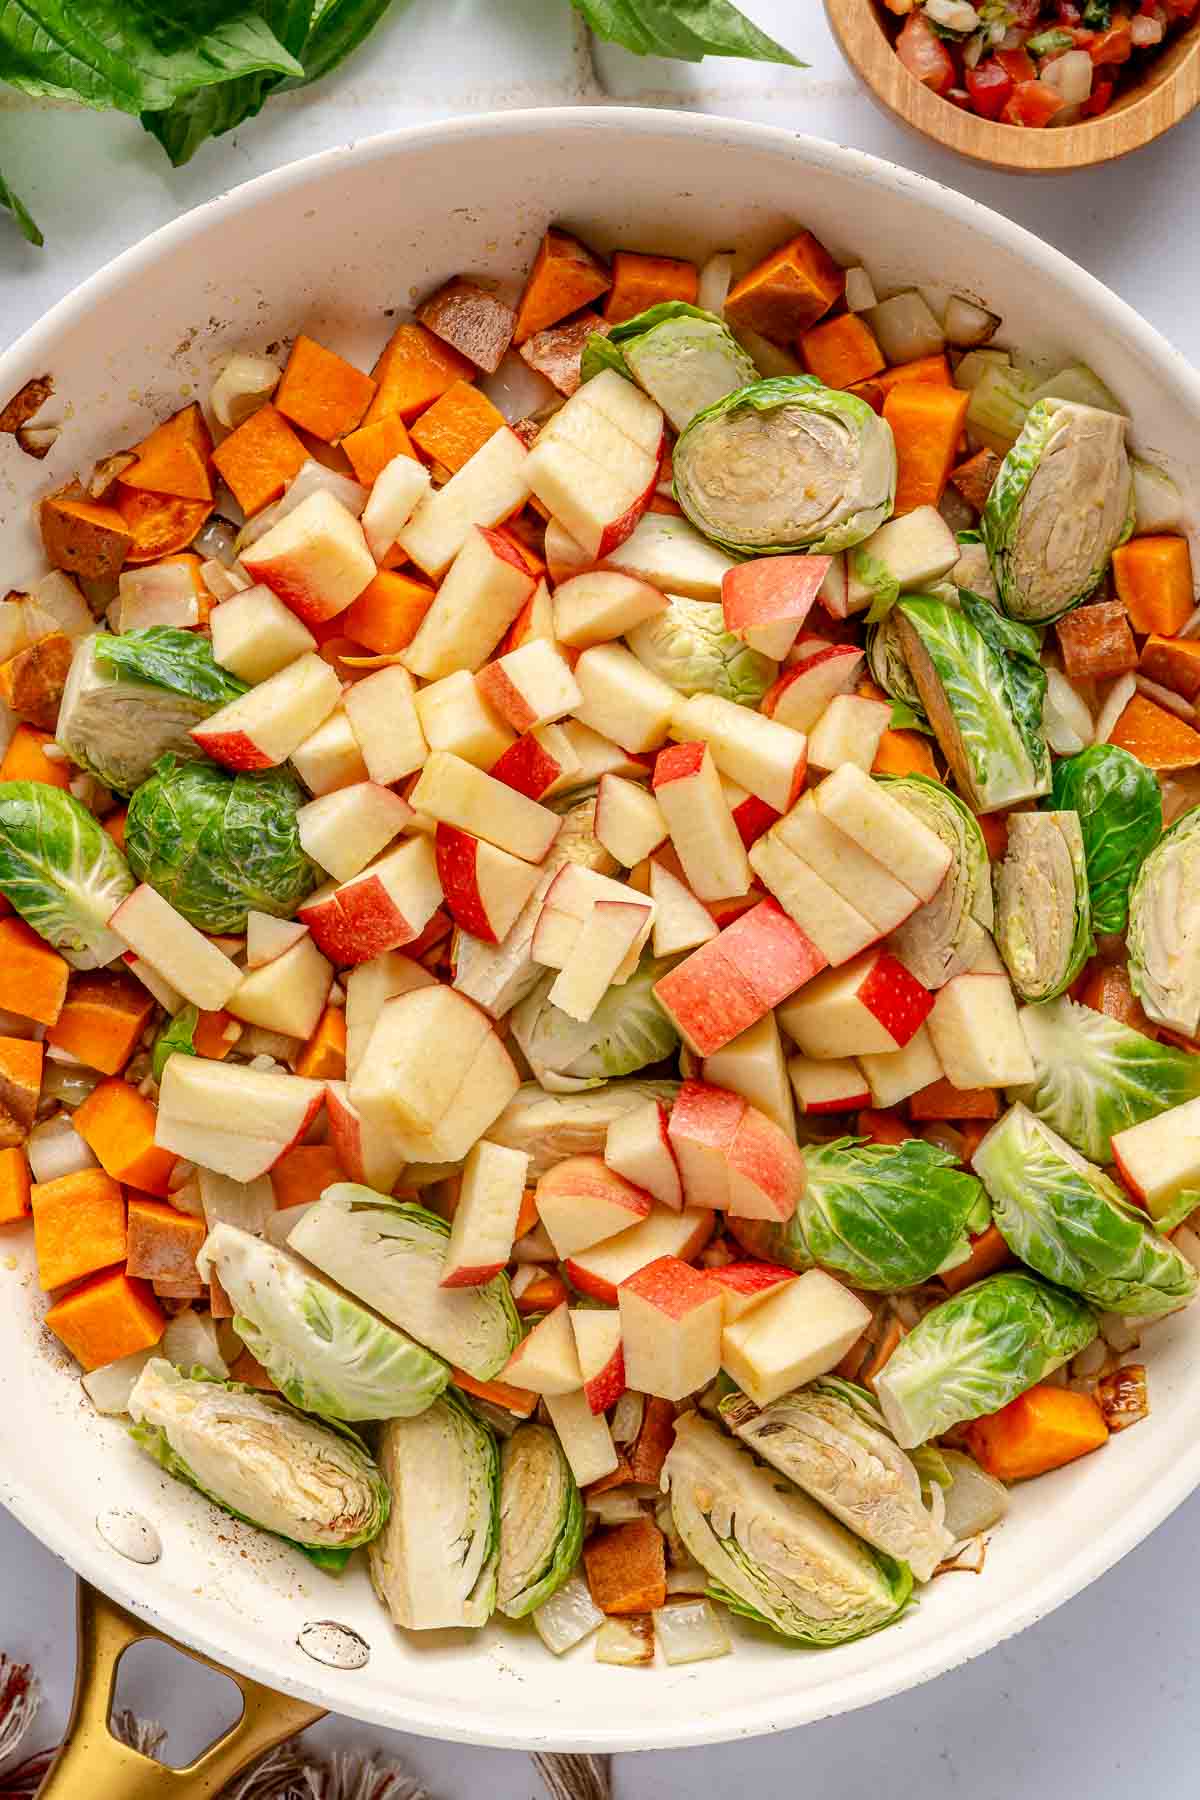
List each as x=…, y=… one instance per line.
x=1102, y=1695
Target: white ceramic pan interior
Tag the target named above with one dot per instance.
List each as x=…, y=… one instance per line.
x=337, y=246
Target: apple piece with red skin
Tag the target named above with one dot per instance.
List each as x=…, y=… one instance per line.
x=484, y=888
x=254, y=634
x=454, y=792
x=396, y=492
x=368, y=986
x=703, y=833
x=764, y=756
x=802, y=693
x=622, y=699
x=344, y=830
x=770, y=590
x=598, y=755
x=663, y=549
x=595, y=463
x=976, y=1031
x=599, y=1271
x=183, y=956
x=898, y=1074
x=601, y=1358
x=680, y=921
x=236, y=1121
x=385, y=907
x=546, y=1362
x=568, y=905
x=581, y=1202
x=287, y=994
x=368, y=1154
x=1158, y=1159
x=751, y=815
x=766, y=1171
x=870, y=1005
x=530, y=686
x=727, y=986
x=485, y=1219
x=484, y=589
x=268, y=937
x=315, y=559
x=753, y=1065
x=602, y=604
x=261, y=728
x=535, y=620
x=837, y=928
x=772, y=953
x=834, y=592
x=834, y=1085
x=671, y=1324
x=539, y=764
x=704, y=1124
x=802, y=1330
x=584, y=1435
x=638, y=1147
x=489, y=488
x=745, y=1285
x=457, y=716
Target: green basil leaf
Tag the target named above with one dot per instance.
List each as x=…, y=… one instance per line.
x=338, y=27
x=686, y=29
x=212, y=111
x=26, y=224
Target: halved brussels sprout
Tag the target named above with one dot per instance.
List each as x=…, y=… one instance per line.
x=688, y=646
x=944, y=936
x=434, y=1564
x=627, y=1031
x=1043, y=908
x=391, y=1254
x=886, y=660
x=259, y=1458
x=786, y=465
x=684, y=357
x=541, y=1520
x=831, y=1440
x=1164, y=928
x=551, y=1127
x=977, y=1351
x=983, y=686
x=132, y=697
x=770, y=1553
x=1064, y=1218
x=1061, y=504
x=1095, y=1076
x=1120, y=810
x=219, y=845
x=324, y=1352
x=62, y=871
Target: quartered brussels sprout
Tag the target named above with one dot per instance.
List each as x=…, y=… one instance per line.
x=685, y=358
x=551, y=1127
x=944, y=936
x=977, y=1351
x=627, y=1031
x=218, y=846
x=786, y=465
x=391, y=1254
x=1060, y=505
x=831, y=1440
x=1043, y=909
x=1164, y=928
x=688, y=646
x=769, y=1552
x=982, y=683
x=132, y=697
x=260, y=1459
x=885, y=1216
x=434, y=1564
x=1119, y=804
x=324, y=1352
x=1065, y=1218
x=62, y=871
x=541, y=1520
x=1095, y=1076
x=885, y=658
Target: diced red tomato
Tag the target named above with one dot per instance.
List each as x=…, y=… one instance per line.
x=924, y=54
x=1033, y=103
x=1099, y=100
x=990, y=86
x=1114, y=45
x=1018, y=64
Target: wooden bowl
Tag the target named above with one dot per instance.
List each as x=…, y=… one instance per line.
x=1169, y=91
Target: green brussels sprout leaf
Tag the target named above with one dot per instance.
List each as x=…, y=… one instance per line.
x=62, y=871
x=1119, y=804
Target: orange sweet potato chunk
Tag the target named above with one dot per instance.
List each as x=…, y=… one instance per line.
x=1153, y=576
x=1096, y=641
x=456, y=426
x=301, y=1175
x=414, y=369
x=322, y=392
x=1174, y=663
x=107, y=1318
x=32, y=681
x=257, y=461
x=26, y=759
x=372, y=447
x=15, y=1185
x=35, y=976
x=842, y=351
x=1155, y=736
x=20, y=1088
x=78, y=1226
x=626, y=1568
x=556, y=352
x=117, y=1124
x=565, y=276
x=473, y=321
x=83, y=537
x=785, y=295
x=174, y=458
x=942, y=1100
x=158, y=524
x=388, y=612
x=162, y=1243
x=323, y=1058
x=989, y=1252
x=641, y=281
x=104, y=1016
x=1040, y=1430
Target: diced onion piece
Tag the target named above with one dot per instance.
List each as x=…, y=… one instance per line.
x=958, y=513
x=955, y=15
x=860, y=291
x=691, y=1631
x=616, y=1506
x=216, y=539
x=527, y=1273
x=109, y=1387
x=516, y=390
x=716, y=279
x=1065, y=716
x=58, y=595
x=187, y=1199
x=244, y=384
x=999, y=403
x=1082, y=385
x=1144, y=31
x=975, y=1500
x=1091, y=1360
x=1119, y=1331
x=628, y=1642
x=1157, y=502
x=1120, y=694
x=906, y=328
x=769, y=359
x=568, y=1616
x=279, y=1225
x=69, y=1086
x=190, y=1342
x=222, y=583
x=312, y=478
x=1071, y=75
x=627, y=1417
x=1122, y=1397
x=975, y=364
x=56, y=1148
x=967, y=325
x=690, y=1579
x=947, y=1137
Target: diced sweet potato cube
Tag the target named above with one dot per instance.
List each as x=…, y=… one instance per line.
x=942, y=1100
x=249, y=1371
x=842, y=351
x=257, y=461
x=974, y=478
x=159, y=524
x=1096, y=641
x=1155, y=736
x=565, y=276
x=104, y=1016
x=555, y=352
x=1153, y=576
x=471, y=320
x=301, y=1175
x=161, y=1243
x=1174, y=663
x=215, y=1035
x=627, y=1568
x=26, y=759
x=904, y=753
x=371, y=448
x=117, y=1123
x=15, y=1184
x=641, y=281
x=323, y=1058
x=989, y=1252
x=35, y=976
x=785, y=295
x=78, y=1226
x=83, y=537
x=1041, y=1429
x=654, y=1440
x=388, y=612
x=174, y=458
x=621, y=1476
x=20, y=1088
x=322, y=392
x=107, y=1318
x=414, y=368
x=1108, y=989
x=32, y=681
x=456, y=426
